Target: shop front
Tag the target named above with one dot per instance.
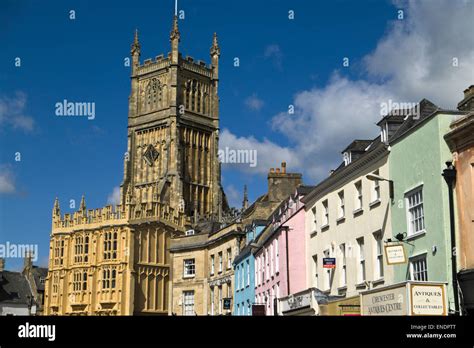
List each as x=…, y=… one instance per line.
x=305, y=303
x=406, y=298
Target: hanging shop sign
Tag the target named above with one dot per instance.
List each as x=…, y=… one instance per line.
x=395, y=254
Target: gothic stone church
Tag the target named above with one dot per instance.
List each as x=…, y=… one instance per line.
x=115, y=260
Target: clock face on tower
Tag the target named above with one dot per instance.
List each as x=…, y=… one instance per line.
x=150, y=155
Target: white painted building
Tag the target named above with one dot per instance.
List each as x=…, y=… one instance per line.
x=348, y=218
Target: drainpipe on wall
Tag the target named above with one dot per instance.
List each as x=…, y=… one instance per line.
x=449, y=175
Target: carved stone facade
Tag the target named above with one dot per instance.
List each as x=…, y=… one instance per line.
x=115, y=260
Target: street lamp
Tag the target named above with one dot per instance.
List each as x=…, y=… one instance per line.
x=449, y=175
x=375, y=177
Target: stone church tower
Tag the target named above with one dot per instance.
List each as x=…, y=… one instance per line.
x=173, y=132
x=116, y=260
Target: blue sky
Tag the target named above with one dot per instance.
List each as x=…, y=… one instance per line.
x=282, y=62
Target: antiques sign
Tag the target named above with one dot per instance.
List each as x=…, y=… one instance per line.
x=395, y=254
x=428, y=299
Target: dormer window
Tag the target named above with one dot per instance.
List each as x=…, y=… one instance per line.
x=384, y=133
x=347, y=158
x=189, y=233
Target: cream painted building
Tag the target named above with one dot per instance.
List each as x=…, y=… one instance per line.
x=189, y=270
x=348, y=218
x=224, y=245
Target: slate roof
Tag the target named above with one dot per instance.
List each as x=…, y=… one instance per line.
x=14, y=288
x=357, y=146
x=427, y=109
x=38, y=274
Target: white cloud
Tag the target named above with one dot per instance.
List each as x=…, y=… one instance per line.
x=7, y=180
x=414, y=60
x=274, y=53
x=13, y=113
x=254, y=103
x=114, y=197
x=269, y=154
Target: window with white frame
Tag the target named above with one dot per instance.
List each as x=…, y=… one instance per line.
x=327, y=272
x=237, y=273
x=212, y=264
x=248, y=273
x=242, y=277
x=343, y=279
x=229, y=258
x=315, y=271
x=277, y=257
x=358, y=197
x=416, y=219
x=220, y=299
x=418, y=268
x=378, y=255
x=267, y=264
x=256, y=272
x=238, y=308
x=262, y=257
x=189, y=233
x=361, y=272
x=342, y=209
x=315, y=218
x=220, y=262
x=271, y=260
x=248, y=307
x=189, y=268
x=325, y=213
x=212, y=300
x=188, y=303
x=376, y=188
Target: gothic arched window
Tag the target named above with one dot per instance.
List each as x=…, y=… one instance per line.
x=187, y=94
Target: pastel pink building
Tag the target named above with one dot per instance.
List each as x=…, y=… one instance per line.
x=280, y=263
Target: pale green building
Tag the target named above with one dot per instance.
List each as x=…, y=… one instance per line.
x=420, y=208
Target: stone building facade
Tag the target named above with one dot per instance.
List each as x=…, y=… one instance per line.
x=214, y=247
x=115, y=260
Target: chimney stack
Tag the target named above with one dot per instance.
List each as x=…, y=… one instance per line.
x=469, y=91
x=467, y=104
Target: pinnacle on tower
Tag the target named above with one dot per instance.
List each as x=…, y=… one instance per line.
x=136, y=44
x=174, y=35
x=245, y=202
x=56, y=209
x=215, y=49
x=82, y=207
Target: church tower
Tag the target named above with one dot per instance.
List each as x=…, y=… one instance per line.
x=115, y=260
x=173, y=132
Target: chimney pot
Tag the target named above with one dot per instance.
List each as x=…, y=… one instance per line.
x=283, y=167
x=278, y=170
x=272, y=170
x=2, y=264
